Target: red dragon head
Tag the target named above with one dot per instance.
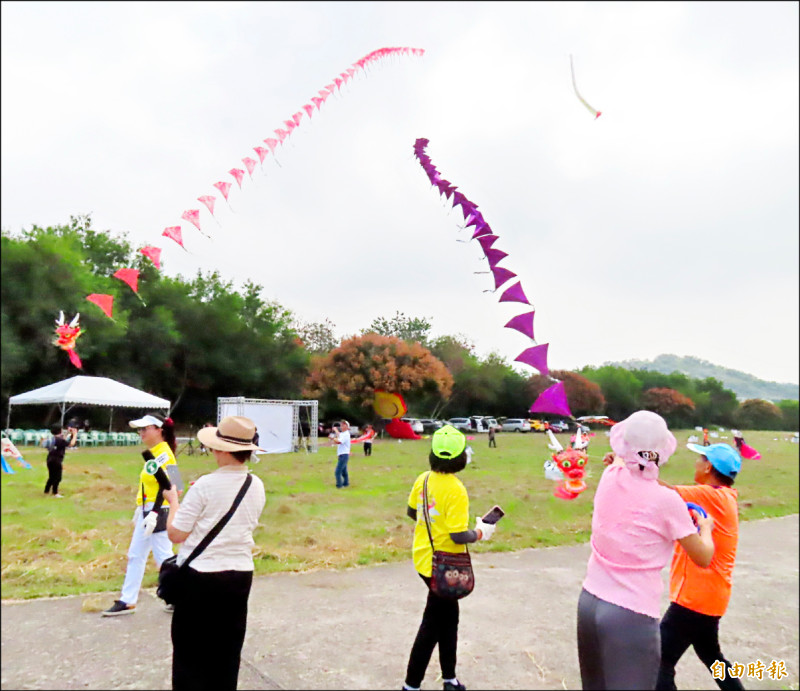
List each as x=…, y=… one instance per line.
x=66, y=335
x=571, y=462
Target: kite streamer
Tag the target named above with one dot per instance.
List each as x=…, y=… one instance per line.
x=596, y=113
x=193, y=216
x=174, y=233
x=131, y=277
x=104, y=302
x=224, y=188
x=153, y=254
x=552, y=399
x=291, y=123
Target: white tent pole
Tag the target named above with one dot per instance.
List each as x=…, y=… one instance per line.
x=110, y=418
x=63, y=405
x=8, y=419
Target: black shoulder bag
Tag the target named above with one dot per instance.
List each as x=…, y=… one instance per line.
x=171, y=576
x=451, y=573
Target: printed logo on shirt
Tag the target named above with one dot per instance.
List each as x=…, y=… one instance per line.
x=152, y=466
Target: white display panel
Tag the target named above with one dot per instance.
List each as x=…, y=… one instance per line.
x=274, y=425
x=278, y=422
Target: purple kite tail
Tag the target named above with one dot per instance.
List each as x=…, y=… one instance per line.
x=554, y=398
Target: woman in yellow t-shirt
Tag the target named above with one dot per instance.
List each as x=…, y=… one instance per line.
x=158, y=435
x=448, y=508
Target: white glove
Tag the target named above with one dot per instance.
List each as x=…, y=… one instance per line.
x=487, y=529
x=150, y=523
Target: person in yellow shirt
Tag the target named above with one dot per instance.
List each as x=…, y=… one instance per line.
x=448, y=508
x=149, y=533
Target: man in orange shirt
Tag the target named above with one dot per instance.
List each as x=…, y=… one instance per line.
x=699, y=597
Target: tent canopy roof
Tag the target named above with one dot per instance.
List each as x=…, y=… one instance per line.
x=91, y=391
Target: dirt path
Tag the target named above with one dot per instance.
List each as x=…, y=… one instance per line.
x=354, y=629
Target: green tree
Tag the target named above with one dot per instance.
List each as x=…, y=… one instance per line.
x=757, y=414
x=790, y=412
x=193, y=342
x=411, y=329
x=317, y=337
x=620, y=387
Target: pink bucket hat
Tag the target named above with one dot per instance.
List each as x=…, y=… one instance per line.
x=643, y=441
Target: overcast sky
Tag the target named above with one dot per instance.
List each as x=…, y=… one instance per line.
x=668, y=225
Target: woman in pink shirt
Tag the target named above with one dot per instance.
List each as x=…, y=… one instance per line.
x=634, y=526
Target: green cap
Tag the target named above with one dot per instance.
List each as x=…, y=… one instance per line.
x=448, y=442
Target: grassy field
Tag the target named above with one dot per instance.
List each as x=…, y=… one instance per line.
x=78, y=544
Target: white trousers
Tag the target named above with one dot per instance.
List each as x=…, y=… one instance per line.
x=139, y=550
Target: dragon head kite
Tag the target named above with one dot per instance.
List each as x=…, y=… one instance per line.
x=571, y=463
x=67, y=335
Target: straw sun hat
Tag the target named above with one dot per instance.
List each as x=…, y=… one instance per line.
x=235, y=433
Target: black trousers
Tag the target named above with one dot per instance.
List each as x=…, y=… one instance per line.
x=439, y=625
x=54, y=471
x=367, y=448
x=682, y=627
x=492, y=442
x=208, y=627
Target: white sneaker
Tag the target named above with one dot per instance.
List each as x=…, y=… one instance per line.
x=169, y=608
x=60, y=496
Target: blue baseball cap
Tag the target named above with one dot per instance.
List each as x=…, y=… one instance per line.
x=723, y=457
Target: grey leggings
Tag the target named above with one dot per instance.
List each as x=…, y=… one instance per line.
x=617, y=648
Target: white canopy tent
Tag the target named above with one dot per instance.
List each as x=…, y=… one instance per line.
x=82, y=390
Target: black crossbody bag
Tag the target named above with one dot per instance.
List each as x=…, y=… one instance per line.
x=171, y=576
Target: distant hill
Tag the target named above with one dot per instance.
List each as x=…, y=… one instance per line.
x=742, y=384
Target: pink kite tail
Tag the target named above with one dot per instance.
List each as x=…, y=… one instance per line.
x=224, y=188
x=209, y=200
x=193, y=216
x=237, y=173
x=104, y=302
x=153, y=254
x=174, y=233
x=74, y=359
x=262, y=153
x=250, y=164
x=129, y=276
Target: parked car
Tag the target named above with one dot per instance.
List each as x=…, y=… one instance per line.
x=416, y=425
x=462, y=423
x=481, y=423
x=559, y=426
x=515, y=424
x=430, y=426
x=537, y=425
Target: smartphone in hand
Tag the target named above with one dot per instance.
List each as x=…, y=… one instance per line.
x=494, y=515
